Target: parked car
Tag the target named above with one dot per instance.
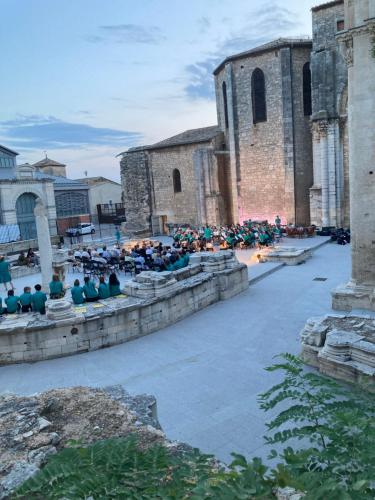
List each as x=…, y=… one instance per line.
x=81, y=228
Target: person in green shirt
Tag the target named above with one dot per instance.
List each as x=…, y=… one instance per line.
x=12, y=302
x=5, y=276
x=103, y=288
x=56, y=288
x=25, y=300
x=114, y=285
x=90, y=291
x=38, y=300
x=77, y=293
x=207, y=233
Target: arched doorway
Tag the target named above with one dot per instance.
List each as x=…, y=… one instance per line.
x=25, y=205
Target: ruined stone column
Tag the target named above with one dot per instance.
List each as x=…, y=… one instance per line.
x=357, y=44
x=44, y=243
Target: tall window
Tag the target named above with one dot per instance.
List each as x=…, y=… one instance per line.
x=307, y=109
x=225, y=101
x=258, y=96
x=176, y=181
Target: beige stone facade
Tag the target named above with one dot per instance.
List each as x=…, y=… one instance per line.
x=281, y=146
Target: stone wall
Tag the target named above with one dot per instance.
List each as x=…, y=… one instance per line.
x=271, y=160
x=155, y=300
x=330, y=190
x=136, y=188
x=178, y=207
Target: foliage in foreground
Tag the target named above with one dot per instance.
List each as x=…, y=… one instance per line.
x=334, y=458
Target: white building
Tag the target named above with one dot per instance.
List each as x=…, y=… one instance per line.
x=103, y=192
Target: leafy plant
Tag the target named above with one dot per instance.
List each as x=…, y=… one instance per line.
x=336, y=427
x=118, y=468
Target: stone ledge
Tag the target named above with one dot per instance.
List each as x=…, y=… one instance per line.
x=342, y=347
x=165, y=298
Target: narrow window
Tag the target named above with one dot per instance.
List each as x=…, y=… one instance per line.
x=340, y=25
x=176, y=181
x=258, y=96
x=225, y=100
x=307, y=90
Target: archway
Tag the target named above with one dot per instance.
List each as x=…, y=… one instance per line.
x=25, y=205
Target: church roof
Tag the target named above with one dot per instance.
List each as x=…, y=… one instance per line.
x=47, y=162
x=327, y=5
x=195, y=135
x=275, y=44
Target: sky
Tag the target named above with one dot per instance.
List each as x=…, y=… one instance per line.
x=84, y=80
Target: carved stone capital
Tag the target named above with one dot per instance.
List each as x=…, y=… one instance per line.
x=319, y=128
x=346, y=46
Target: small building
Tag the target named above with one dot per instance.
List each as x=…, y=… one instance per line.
x=50, y=167
x=105, y=197
x=19, y=189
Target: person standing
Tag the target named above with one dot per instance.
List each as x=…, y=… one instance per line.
x=118, y=236
x=5, y=276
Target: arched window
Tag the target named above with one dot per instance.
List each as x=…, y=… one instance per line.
x=176, y=181
x=225, y=101
x=25, y=205
x=307, y=110
x=258, y=96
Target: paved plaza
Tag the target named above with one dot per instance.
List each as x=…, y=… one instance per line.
x=207, y=370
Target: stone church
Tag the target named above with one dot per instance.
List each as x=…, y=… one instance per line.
x=280, y=146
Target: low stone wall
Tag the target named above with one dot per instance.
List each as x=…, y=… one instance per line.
x=21, y=271
x=23, y=245
x=342, y=347
x=153, y=301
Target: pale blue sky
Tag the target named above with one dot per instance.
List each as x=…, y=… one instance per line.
x=86, y=79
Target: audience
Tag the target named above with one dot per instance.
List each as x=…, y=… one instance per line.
x=56, y=288
x=90, y=291
x=77, y=293
x=38, y=301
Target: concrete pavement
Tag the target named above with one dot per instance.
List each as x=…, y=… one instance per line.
x=207, y=370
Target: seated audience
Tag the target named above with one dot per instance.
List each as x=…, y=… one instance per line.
x=90, y=291
x=114, y=285
x=77, y=293
x=38, y=300
x=25, y=300
x=56, y=288
x=12, y=303
x=103, y=289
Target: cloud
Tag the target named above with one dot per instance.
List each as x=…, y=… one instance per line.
x=204, y=24
x=48, y=132
x=127, y=34
x=269, y=22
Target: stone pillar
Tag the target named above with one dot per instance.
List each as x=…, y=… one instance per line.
x=357, y=46
x=234, y=181
x=44, y=243
x=324, y=173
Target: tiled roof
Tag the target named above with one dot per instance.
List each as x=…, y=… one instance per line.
x=275, y=44
x=47, y=162
x=195, y=135
x=327, y=5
